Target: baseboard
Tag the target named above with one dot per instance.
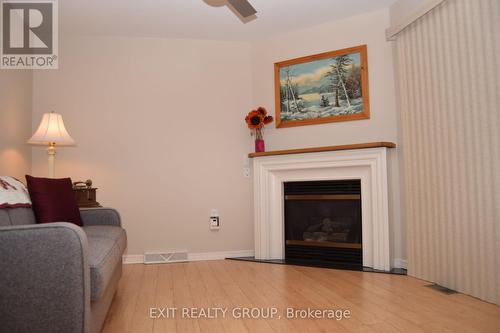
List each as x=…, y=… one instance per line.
x=400, y=263
x=219, y=255
x=139, y=258
x=133, y=259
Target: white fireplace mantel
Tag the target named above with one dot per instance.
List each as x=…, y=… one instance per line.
x=369, y=165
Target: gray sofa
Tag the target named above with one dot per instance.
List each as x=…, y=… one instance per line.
x=58, y=277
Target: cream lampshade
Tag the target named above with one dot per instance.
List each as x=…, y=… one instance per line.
x=51, y=132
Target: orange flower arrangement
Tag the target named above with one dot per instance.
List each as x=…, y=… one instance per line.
x=256, y=119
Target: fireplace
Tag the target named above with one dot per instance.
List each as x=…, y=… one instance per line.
x=369, y=165
x=323, y=225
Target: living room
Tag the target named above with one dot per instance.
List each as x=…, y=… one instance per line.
x=227, y=144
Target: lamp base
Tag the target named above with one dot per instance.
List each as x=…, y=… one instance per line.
x=51, y=152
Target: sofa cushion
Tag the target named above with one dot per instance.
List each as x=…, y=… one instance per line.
x=53, y=200
x=4, y=218
x=16, y=216
x=106, y=246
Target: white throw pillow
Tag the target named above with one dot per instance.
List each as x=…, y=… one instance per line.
x=13, y=193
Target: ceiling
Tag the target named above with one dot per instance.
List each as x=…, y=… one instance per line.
x=204, y=19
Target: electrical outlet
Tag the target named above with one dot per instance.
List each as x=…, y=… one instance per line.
x=246, y=166
x=246, y=172
x=214, y=223
x=214, y=220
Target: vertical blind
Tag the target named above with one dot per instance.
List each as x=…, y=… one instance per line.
x=448, y=65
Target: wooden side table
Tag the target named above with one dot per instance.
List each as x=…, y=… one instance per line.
x=86, y=197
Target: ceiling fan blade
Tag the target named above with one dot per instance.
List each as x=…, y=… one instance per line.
x=243, y=7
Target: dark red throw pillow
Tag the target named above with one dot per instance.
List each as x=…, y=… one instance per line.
x=53, y=200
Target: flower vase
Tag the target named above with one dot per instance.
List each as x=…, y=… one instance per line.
x=260, y=146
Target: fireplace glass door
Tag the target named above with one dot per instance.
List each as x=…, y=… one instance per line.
x=323, y=223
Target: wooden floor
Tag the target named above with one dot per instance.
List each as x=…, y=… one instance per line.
x=378, y=302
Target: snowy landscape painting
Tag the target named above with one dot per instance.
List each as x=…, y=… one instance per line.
x=326, y=87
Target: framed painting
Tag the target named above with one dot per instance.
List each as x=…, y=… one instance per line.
x=322, y=88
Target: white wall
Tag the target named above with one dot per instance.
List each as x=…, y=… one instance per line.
x=363, y=29
x=160, y=130
x=159, y=123
x=402, y=9
x=15, y=122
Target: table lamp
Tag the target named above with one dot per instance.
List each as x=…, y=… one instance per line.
x=51, y=132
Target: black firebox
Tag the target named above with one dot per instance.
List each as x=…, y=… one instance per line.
x=323, y=223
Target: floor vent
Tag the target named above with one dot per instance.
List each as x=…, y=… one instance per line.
x=165, y=257
x=441, y=289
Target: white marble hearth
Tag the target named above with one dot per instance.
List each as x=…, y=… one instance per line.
x=369, y=165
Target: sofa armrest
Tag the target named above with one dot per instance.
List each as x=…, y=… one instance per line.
x=100, y=216
x=45, y=278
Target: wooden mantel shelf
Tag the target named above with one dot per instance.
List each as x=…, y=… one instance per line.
x=323, y=149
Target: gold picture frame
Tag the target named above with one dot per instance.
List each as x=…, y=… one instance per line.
x=322, y=88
